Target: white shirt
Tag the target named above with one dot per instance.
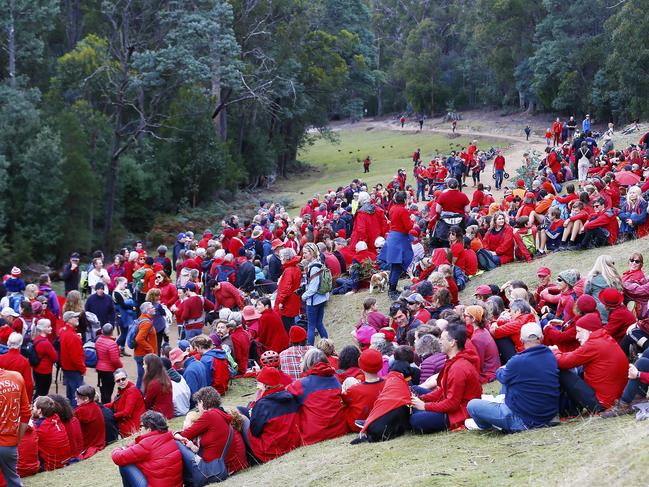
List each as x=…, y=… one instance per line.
x=95, y=276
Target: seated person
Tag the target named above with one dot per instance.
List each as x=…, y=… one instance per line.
x=620, y=318
x=483, y=342
x=531, y=386
x=53, y=444
x=93, y=428
x=445, y=407
x=153, y=459
x=507, y=332
x=359, y=397
x=128, y=404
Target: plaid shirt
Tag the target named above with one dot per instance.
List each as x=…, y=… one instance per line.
x=291, y=358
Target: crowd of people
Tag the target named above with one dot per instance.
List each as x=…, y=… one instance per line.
x=250, y=300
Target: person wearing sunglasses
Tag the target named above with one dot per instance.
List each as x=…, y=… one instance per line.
x=128, y=405
x=601, y=228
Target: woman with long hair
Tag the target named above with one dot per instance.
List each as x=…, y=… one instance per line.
x=156, y=385
x=159, y=318
x=602, y=275
x=74, y=303
x=315, y=301
x=499, y=240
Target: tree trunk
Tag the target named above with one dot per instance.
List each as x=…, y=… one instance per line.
x=521, y=100
x=220, y=120
x=111, y=181
x=73, y=17
x=11, y=44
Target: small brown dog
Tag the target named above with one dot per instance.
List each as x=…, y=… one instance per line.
x=379, y=281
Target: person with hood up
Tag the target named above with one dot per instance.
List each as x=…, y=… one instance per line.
x=321, y=415
x=445, y=408
x=369, y=222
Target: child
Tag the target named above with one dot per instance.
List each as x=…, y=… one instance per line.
x=550, y=236
x=371, y=316
x=548, y=137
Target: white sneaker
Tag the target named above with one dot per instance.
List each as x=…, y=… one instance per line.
x=471, y=425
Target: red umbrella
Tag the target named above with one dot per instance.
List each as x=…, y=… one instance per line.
x=627, y=178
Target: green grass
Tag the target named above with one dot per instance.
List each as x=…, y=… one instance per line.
x=333, y=164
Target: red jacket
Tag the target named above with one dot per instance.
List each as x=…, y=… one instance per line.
x=227, y=296
x=53, y=442
x=395, y=394
x=607, y=220
x=286, y=286
x=75, y=437
x=13, y=360
x=93, y=427
x=193, y=310
x=213, y=426
x=157, y=456
x=157, y=399
x=399, y=220
x=458, y=383
x=128, y=406
x=241, y=344
x=369, y=223
x=107, y=354
x=168, y=295
x=512, y=329
x=564, y=338
x=28, y=462
x=619, y=319
x=359, y=400
x=502, y=243
x=72, y=356
x=272, y=334
x=605, y=366
x=321, y=413
x=274, y=424
x=47, y=354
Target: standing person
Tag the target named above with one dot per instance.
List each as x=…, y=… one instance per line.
x=158, y=395
x=146, y=340
x=71, y=275
x=584, y=158
x=71, y=355
x=585, y=124
x=108, y=362
x=193, y=310
x=453, y=125
x=287, y=302
x=402, y=120
x=45, y=289
x=125, y=306
x=97, y=274
x=571, y=124
x=315, y=301
x=499, y=169
x=397, y=251
x=47, y=357
x=366, y=164
x=527, y=131
x=557, y=126
x=181, y=244
x=14, y=420
x=101, y=305
x=128, y=405
x=421, y=122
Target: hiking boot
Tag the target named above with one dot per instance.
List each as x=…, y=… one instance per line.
x=620, y=408
x=394, y=295
x=123, y=353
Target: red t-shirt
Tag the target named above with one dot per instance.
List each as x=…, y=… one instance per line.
x=499, y=163
x=453, y=200
x=457, y=249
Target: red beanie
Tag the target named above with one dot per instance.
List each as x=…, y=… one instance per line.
x=611, y=297
x=389, y=333
x=296, y=334
x=590, y=322
x=269, y=376
x=370, y=361
x=586, y=303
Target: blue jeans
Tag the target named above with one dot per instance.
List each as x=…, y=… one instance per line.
x=139, y=361
x=634, y=386
x=73, y=380
x=500, y=174
x=421, y=190
x=132, y=476
x=395, y=273
x=419, y=390
x=315, y=317
x=126, y=317
x=8, y=464
x=189, y=334
x=428, y=422
x=487, y=415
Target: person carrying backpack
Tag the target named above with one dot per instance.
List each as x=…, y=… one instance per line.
x=46, y=356
x=146, y=340
x=315, y=296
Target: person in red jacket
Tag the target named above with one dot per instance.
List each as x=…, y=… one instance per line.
x=47, y=357
x=272, y=430
x=71, y=355
x=154, y=458
x=213, y=426
x=13, y=360
x=226, y=295
x=53, y=443
x=507, y=333
x=287, y=302
x=605, y=369
x=240, y=345
x=499, y=240
x=14, y=420
x=158, y=394
x=397, y=251
x=318, y=392
x=598, y=230
x=271, y=335
x=369, y=222
x=71, y=425
x=620, y=318
x=168, y=292
x=445, y=407
x=91, y=418
x=128, y=405
x=108, y=362
x=359, y=397
x=193, y=310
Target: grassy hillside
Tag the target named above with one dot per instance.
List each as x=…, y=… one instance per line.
x=333, y=164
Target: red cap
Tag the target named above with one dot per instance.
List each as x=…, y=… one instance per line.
x=543, y=272
x=483, y=290
x=341, y=233
x=296, y=334
x=586, y=303
x=269, y=376
x=529, y=194
x=611, y=297
x=370, y=361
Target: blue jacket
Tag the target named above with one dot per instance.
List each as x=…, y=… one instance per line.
x=103, y=307
x=274, y=268
x=532, y=382
x=52, y=301
x=209, y=357
x=638, y=215
x=195, y=375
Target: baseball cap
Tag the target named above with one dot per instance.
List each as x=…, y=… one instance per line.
x=543, y=272
x=8, y=311
x=483, y=290
x=67, y=315
x=531, y=331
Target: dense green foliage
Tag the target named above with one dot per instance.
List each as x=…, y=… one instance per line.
x=113, y=111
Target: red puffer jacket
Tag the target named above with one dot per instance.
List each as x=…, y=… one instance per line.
x=512, y=329
x=128, y=406
x=459, y=382
x=107, y=354
x=369, y=223
x=321, y=414
x=157, y=455
x=288, y=283
x=501, y=242
x=53, y=443
x=272, y=334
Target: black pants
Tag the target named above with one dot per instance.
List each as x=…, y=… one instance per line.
x=106, y=385
x=506, y=349
x=390, y=425
x=579, y=392
x=288, y=321
x=42, y=383
x=597, y=237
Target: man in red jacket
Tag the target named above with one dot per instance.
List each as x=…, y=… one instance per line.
x=597, y=230
x=53, y=444
x=605, y=369
x=226, y=295
x=619, y=316
x=13, y=360
x=193, y=311
x=508, y=333
x=445, y=407
x=359, y=398
x=72, y=357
